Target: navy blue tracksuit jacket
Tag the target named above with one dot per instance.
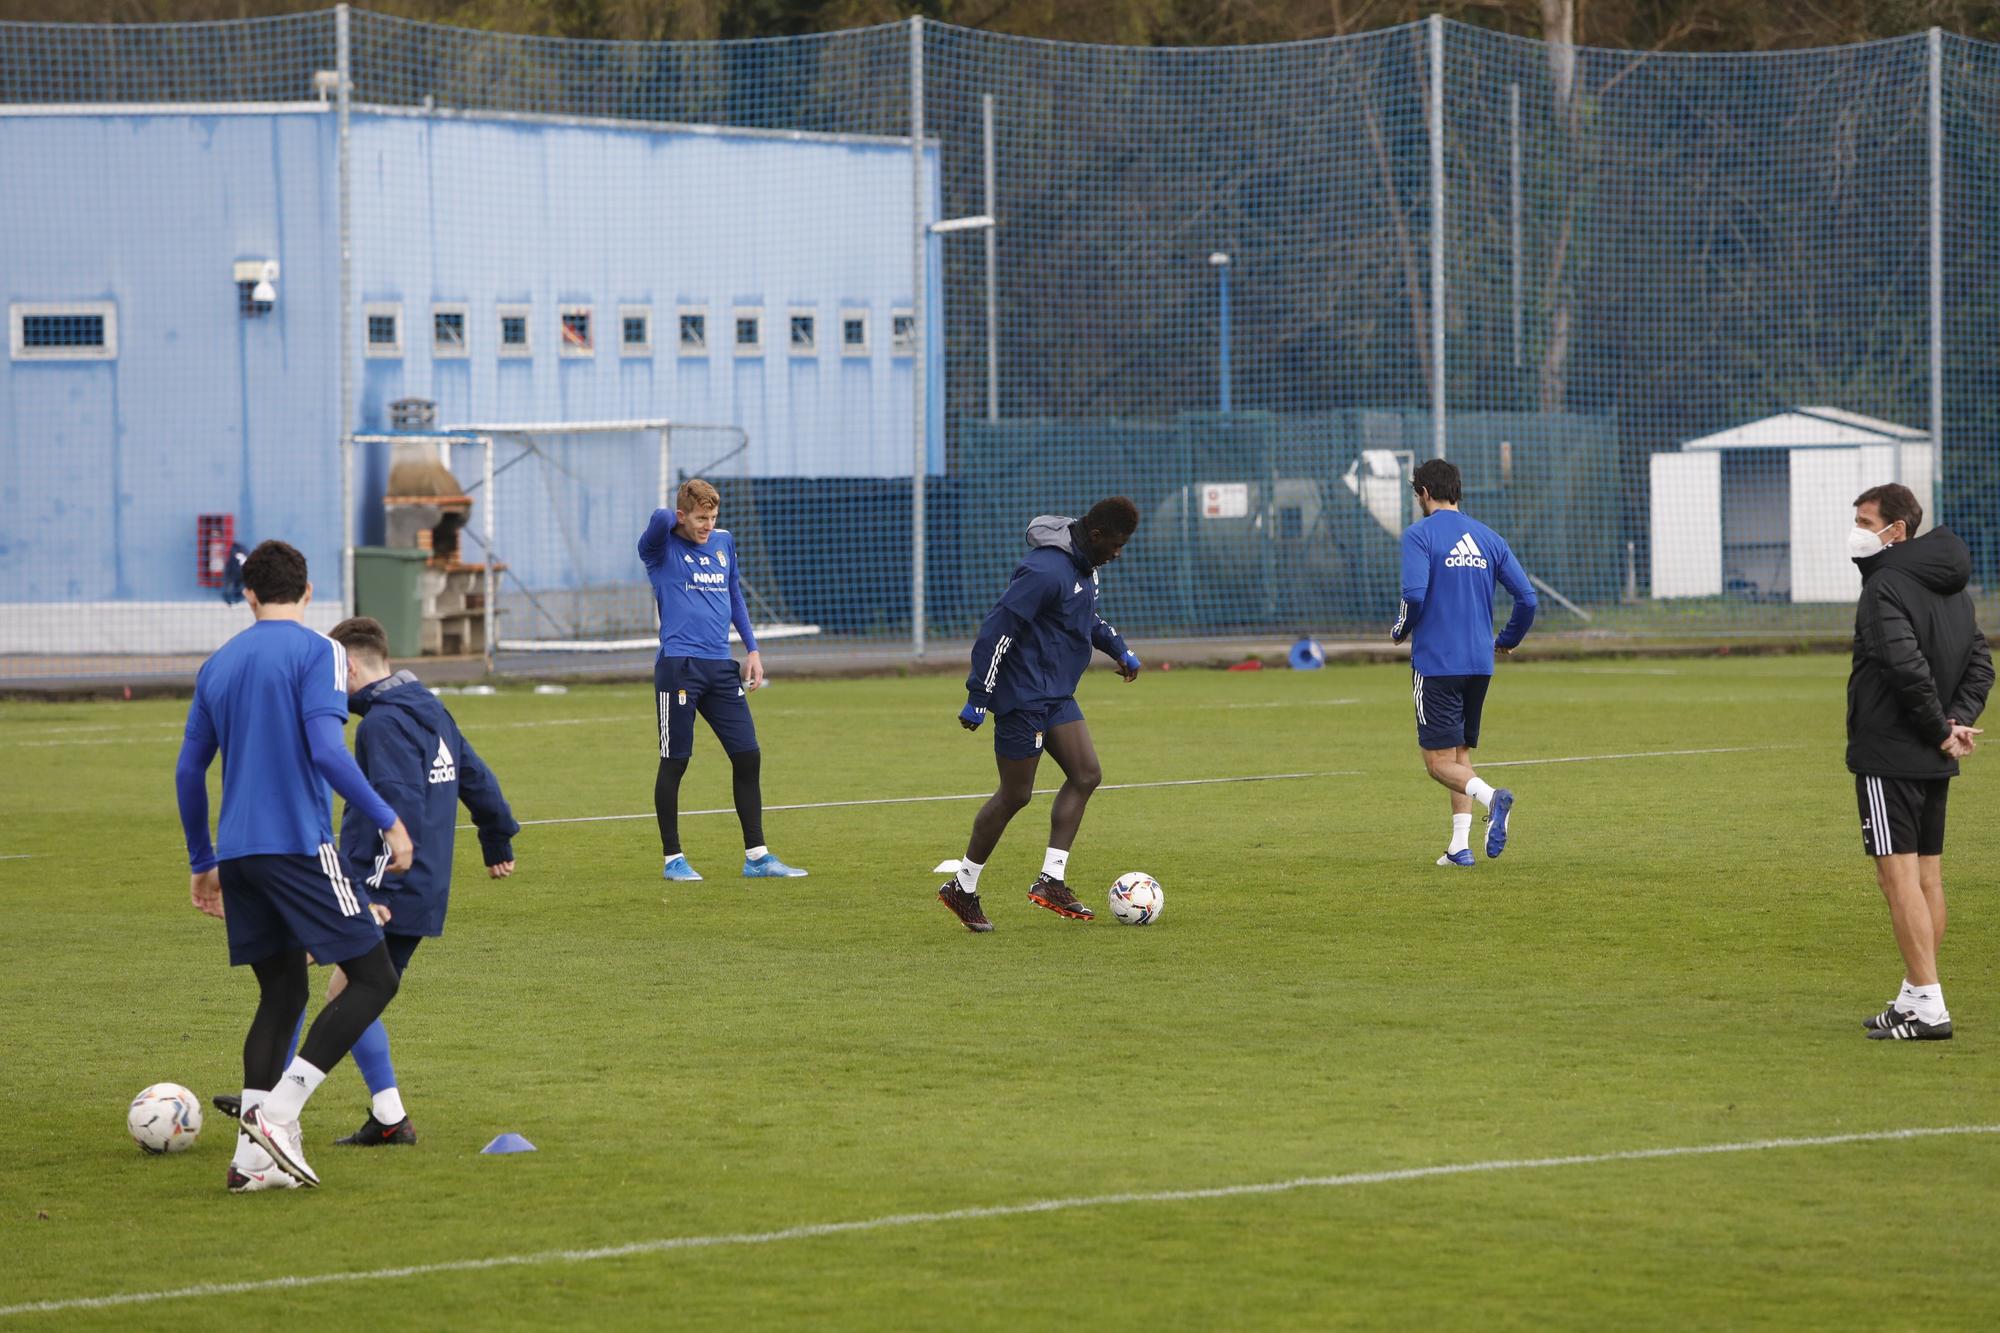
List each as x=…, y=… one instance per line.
x=1034, y=645
x=412, y=753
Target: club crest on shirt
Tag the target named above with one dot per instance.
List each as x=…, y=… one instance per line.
x=683, y=699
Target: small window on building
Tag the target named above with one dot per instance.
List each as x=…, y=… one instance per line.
x=749, y=332
x=635, y=330
x=448, y=323
x=804, y=333
x=516, y=338
x=76, y=331
x=384, y=323
x=854, y=333
x=903, y=333
x=576, y=338
x=694, y=332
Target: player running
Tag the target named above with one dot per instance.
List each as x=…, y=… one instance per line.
x=693, y=568
x=273, y=700
x=1450, y=564
x=1031, y=652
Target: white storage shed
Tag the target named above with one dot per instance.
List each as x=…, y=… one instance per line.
x=1762, y=510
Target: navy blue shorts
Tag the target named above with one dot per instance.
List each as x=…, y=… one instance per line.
x=1018, y=735
x=684, y=686
x=274, y=903
x=400, y=949
x=1448, y=709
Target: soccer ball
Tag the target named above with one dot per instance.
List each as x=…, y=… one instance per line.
x=1137, y=899
x=164, y=1118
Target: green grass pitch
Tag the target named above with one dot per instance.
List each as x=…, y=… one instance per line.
x=1676, y=951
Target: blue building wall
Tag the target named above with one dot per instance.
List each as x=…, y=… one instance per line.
x=104, y=465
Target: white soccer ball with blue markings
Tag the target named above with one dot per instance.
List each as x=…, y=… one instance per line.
x=165, y=1118
x=1137, y=899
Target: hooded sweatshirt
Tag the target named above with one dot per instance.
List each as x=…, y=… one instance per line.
x=412, y=750
x=1920, y=662
x=1034, y=645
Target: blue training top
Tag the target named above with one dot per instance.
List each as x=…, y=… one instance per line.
x=1450, y=564
x=256, y=700
x=699, y=590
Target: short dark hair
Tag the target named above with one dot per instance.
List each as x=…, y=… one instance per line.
x=362, y=635
x=1437, y=477
x=276, y=572
x=1116, y=514
x=1894, y=502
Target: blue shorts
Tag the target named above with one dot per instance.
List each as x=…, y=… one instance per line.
x=279, y=902
x=713, y=687
x=1018, y=735
x=1448, y=709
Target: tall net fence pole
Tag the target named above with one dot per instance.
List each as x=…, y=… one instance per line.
x=1434, y=120
x=920, y=243
x=343, y=188
x=1934, y=217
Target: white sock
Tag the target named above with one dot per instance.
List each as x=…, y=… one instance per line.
x=968, y=875
x=757, y=853
x=288, y=1099
x=387, y=1106
x=1904, y=997
x=1928, y=1002
x=250, y=1157
x=1461, y=833
x=1481, y=792
x=1055, y=863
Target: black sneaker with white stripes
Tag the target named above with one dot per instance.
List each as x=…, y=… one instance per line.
x=1889, y=1017
x=1908, y=1027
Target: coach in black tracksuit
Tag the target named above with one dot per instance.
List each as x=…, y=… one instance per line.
x=1920, y=678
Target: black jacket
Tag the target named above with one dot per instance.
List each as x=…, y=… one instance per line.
x=1920, y=662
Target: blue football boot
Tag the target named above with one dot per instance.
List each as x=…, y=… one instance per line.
x=768, y=866
x=677, y=868
x=1461, y=859
x=1496, y=822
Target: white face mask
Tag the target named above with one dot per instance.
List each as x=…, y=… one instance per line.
x=1861, y=543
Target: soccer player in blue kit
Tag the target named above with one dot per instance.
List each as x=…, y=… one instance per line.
x=273, y=700
x=697, y=583
x=1450, y=565
x=1030, y=655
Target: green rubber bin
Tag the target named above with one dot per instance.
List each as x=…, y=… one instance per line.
x=385, y=587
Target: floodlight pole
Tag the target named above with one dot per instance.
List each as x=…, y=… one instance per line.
x=1220, y=261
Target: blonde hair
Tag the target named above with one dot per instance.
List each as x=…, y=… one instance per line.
x=696, y=495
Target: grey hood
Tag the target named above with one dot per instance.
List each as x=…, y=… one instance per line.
x=1052, y=530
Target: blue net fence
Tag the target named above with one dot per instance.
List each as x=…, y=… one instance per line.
x=896, y=291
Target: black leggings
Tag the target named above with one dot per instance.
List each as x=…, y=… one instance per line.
x=371, y=983
x=746, y=774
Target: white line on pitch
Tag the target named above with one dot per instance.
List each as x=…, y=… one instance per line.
x=965, y=796
x=1636, y=754
x=815, y=1230
x=19, y=856
x=1181, y=782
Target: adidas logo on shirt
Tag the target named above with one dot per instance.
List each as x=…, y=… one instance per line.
x=1465, y=555
x=442, y=767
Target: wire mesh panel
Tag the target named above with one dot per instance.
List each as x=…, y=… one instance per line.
x=1668, y=312
x=1206, y=291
